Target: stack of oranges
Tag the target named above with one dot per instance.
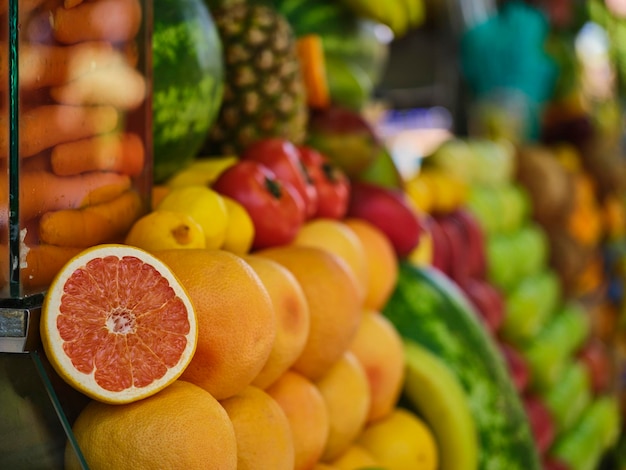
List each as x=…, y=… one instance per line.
x=293, y=366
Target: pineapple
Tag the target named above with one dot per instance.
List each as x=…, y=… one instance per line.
x=264, y=92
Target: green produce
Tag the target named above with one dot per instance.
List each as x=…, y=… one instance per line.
x=479, y=162
x=313, y=16
x=515, y=207
x=531, y=247
x=264, y=92
x=483, y=203
x=501, y=267
x=428, y=308
x=361, y=45
x=568, y=398
x=503, y=209
x=382, y=171
x=433, y=390
x=529, y=307
x=582, y=447
x=187, y=82
x=348, y=84
x=557, y=341
x=344, y=136
x=513, y=257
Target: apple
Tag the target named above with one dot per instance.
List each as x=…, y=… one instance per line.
x=483, y=203
x=514, y=204
x=530, y=249
x=458, y=268
x=345, y=137
x=496, y=155
x=596, y=357
x=517, y=365
x=475, y=240
x=390, y=211
x=551, y=463
x=441, y=251
x=597, y=430
x=513, y=256
x=453, y=156
x=561, y=336
x=488, y=301
x=541, y=423
x=529, y=306
x=501, y=269
x=569, y=396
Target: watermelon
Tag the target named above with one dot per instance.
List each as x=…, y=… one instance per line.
x=188, y=79
x=429, y=308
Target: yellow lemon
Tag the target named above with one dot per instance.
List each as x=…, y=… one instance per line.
x=205, y=206
x=240, y=228
x=401, y=441
x=420, y=192
x=162, y=230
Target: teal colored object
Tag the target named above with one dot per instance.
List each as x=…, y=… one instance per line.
x=506, y=53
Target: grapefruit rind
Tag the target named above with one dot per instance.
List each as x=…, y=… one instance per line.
x=53, y=343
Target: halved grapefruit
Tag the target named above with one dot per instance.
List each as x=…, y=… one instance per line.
x=117, y=325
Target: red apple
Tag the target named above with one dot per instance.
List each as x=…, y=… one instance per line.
x=551, y=463
x=390, y=211
x=488, y=302
x=541, y=423
x=458, y=268
x=596, y=357
x=517, y=365
x=442, y=257
x=475, y=242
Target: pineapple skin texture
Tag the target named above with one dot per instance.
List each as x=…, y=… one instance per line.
x=264, y=92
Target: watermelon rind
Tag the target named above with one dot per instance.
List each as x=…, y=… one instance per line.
x=188, y=82
x=427, y=307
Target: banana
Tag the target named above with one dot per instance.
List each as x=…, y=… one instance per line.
x=434, y=391
x=202, y=171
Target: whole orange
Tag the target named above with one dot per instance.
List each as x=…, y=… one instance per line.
x=347, y=396
x=381, y=261
x=353, y=457
x=182, y=426
x=338, y=238
x=264, y=439
x=236, y=320
x=306, y=412
x=378, y=347
x=334, y=305
x=292, y=317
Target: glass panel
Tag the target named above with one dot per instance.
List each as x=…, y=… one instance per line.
x=75, y=133
x=33, y=424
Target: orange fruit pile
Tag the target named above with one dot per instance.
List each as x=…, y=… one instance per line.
x=236, y=320
x=280, y=357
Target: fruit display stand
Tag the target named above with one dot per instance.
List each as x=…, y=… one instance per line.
x=314, y=284
x=61, y=97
